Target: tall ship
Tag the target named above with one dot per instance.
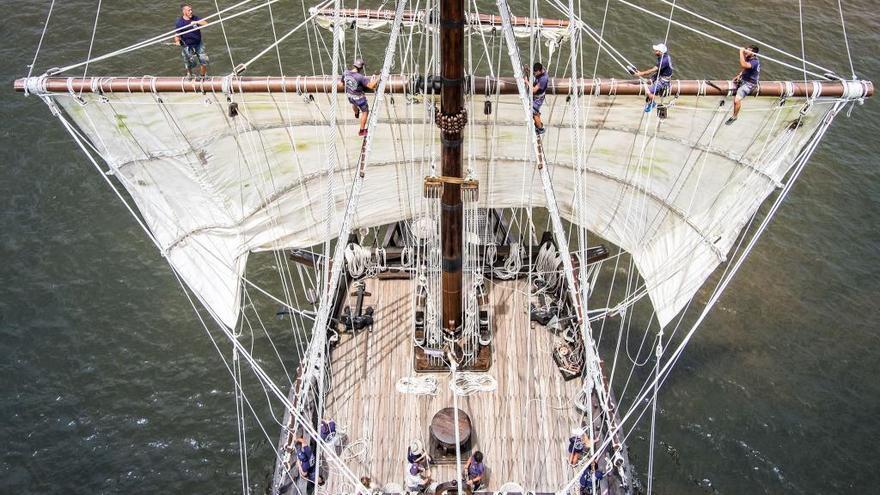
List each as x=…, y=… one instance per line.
x=460, y=279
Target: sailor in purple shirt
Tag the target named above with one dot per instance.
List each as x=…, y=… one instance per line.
x=592, y=472
x=539, y=91
x=474, y=470
x=328, y=430
x=306, y=461
x=355, y=84
x=191, y=47
x=747, y=79
x=660, y=75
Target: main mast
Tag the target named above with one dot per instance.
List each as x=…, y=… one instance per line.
x=451, y=121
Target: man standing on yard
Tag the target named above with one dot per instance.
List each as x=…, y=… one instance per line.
x=747, y=79
x=189, y=37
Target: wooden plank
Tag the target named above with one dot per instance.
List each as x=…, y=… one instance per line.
x=525, y=416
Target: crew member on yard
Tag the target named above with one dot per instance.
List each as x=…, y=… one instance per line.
x=192, y=49
x=747, y=79
x=660, y=75
x=355, y=84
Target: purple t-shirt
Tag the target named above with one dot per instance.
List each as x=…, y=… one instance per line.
x=327, y=428
x=576, y=444
x=587, y=474
x=306, y=458
x=189, y=39
x=355, y=83
x=752, y=74
x=476, y=469
x=541, y=81
x=664, y=66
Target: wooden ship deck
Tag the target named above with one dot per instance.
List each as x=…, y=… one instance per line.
x=522, y=427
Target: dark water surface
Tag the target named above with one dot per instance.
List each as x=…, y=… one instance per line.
x=109, y=384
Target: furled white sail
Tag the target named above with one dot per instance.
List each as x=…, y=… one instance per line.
x=212, y=187
x=552, y=34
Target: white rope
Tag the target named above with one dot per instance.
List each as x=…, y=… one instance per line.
x=717, y=39
x=223, y=29
x=658, y=354
x=168, y=35
x=803, y=157
x=846, y=39
x=358, y=260
x=468, y=383
x=317, y=347
x=609, y=49
x=666, y=41
x=92, y=41
x=290, y=33
x=801, y=24
x=512, y=264
x=417, y=385
x=258, y=370
x=764, y=45
x=40, y=44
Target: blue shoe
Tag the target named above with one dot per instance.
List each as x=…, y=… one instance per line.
x=650, y=106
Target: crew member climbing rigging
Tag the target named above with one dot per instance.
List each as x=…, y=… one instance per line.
x=355, y=84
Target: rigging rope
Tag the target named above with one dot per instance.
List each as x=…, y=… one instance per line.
x=719, y=40
x=764, y=45
x=223, y=29
x=802, y=159
x=92, y=41
x=168, y=35
x=40, y=43
x=289, y=34
x=846, y=40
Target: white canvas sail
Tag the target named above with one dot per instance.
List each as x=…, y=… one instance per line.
x=675, y=193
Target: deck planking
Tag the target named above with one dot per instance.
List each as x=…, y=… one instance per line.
x=522, y=428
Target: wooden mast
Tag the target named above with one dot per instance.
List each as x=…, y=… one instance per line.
x=451, y=121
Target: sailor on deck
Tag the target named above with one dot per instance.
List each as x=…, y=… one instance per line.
x=660, y=74
x=747, y=79
x=191, y=47
x=578, y=446
x=418, y=478
x=415, y=453
x=539, y=90
x=592, y=472
x=306, y=461
x=474, y=471
x=355, y=84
